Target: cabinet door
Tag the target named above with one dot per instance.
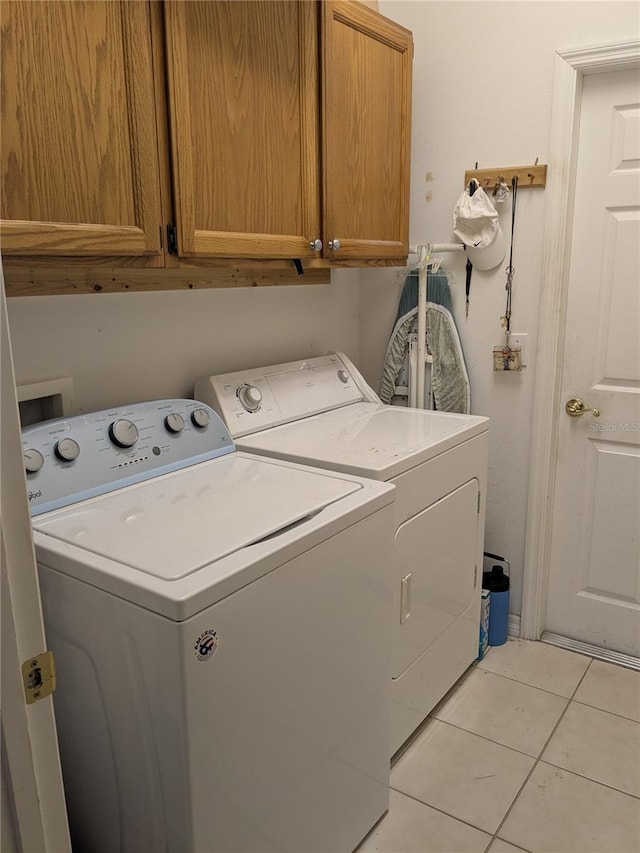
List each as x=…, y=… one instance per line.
x=80, y=173
x=243, y=101
x=366, y=70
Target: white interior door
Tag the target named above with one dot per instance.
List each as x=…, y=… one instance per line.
x=34, y=816
x=594, y=581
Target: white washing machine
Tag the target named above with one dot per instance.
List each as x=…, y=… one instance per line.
x=322, y=412
x=221, y=625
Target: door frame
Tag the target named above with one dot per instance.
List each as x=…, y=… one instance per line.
x=570, y=68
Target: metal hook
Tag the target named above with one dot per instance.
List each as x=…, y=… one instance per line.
x=500, y=190
x=530, y=174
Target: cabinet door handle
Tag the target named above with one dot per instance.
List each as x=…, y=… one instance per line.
x=315, y=245
x=405, y=598
x=334, y=244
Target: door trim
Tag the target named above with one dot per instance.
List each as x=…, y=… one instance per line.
x=570, y=68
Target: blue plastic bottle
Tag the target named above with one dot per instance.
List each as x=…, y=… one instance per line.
x=498, y=585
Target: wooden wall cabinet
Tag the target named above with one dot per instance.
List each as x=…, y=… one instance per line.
x=290, y=129
x=243, y=115
x=284, y=133
x=366, y=132
x=78, y=139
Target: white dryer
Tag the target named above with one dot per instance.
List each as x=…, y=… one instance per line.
x=322, y=412
x=221, y=626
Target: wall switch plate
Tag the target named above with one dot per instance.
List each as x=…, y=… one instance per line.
x=520, y=340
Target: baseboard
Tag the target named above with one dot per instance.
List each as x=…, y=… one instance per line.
x=578, y=646
x=593, y=651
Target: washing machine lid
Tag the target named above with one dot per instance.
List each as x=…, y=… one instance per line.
x=366, y=439
x=170, y=527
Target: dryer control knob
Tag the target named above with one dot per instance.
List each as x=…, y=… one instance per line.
x=123, y=433
x=343, y=376
x=250, y=397
x=200, y=418
x=33, y=460
x=67, y=450
x=174, y=423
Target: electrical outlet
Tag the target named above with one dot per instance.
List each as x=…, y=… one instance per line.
x=520, y=339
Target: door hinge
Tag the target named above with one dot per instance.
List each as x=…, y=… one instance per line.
x=172, y=239
x=475, y=577
x=39, y=677
x=479, y=500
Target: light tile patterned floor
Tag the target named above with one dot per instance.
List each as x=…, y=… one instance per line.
x=536, y=749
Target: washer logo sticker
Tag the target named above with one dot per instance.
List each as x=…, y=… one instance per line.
x=206, y=645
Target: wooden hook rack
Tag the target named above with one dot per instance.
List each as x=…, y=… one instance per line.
x=528, y=176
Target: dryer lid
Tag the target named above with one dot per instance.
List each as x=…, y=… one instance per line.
x=172, y=526
x=366, y=439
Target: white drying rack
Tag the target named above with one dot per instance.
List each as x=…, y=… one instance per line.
x=417, y=362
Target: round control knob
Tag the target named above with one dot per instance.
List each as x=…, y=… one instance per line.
x=343, y=376
x=33, y=460
x=67, y=450
x=250, y=397
x=124, y=433
x=200, y=418
x=174, y=423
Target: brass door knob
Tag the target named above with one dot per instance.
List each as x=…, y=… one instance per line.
x=575, y=407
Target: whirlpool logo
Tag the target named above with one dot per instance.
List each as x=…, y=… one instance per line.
x=35, y=495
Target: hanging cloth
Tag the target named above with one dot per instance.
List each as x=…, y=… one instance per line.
x=449, y=378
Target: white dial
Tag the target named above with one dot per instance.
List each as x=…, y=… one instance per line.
x=343, y=376
x=33, y=460
x=67, y=449
x=200, y=418
x=174, y=422
x=250, y=397
x=123, y=433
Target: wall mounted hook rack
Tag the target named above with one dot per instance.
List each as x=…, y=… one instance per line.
x=528, y=176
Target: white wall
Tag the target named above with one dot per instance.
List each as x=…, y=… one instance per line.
x=482, y=91
x=120, y=348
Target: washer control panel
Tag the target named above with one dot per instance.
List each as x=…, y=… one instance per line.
x=253, y=400
x=70, y=459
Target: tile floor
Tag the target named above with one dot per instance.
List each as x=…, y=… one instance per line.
x=536, y=749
